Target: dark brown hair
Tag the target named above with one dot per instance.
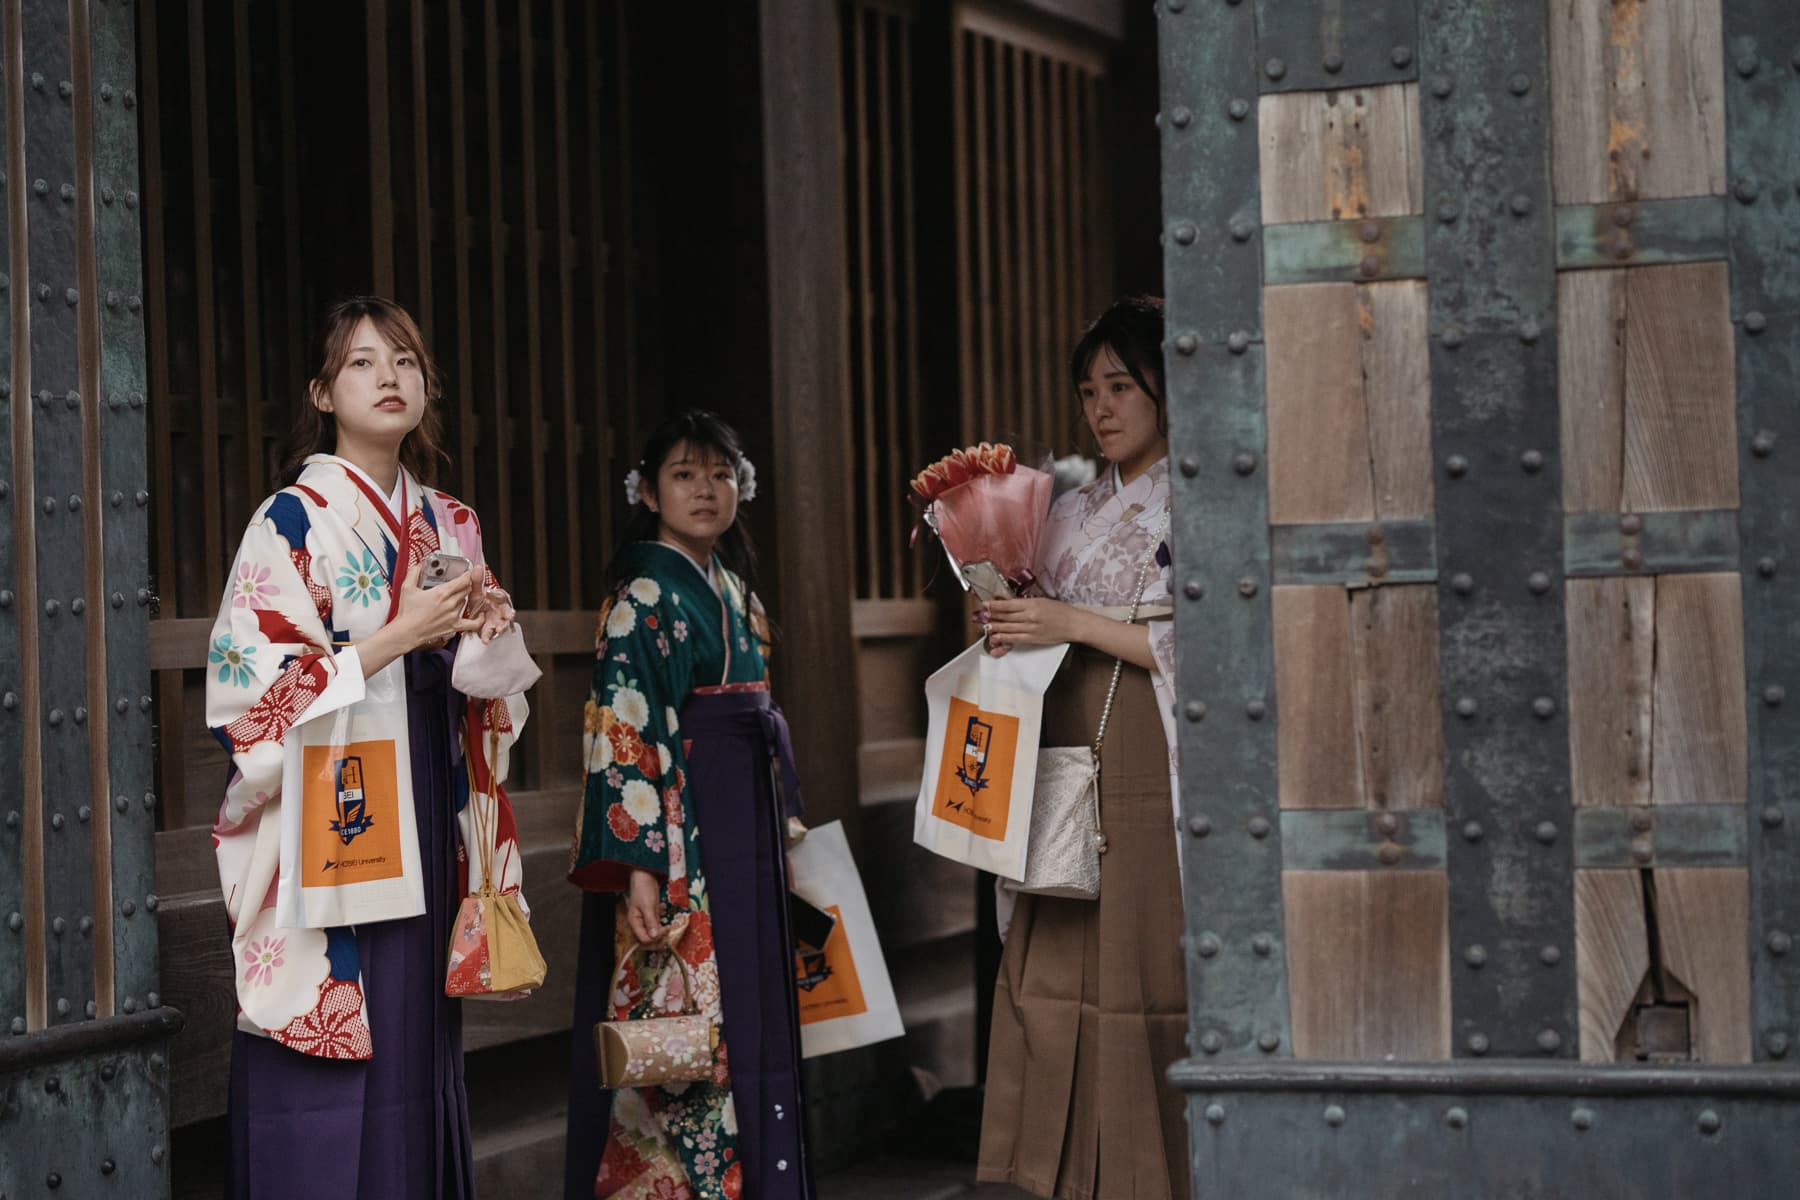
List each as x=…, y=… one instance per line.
x=315, y=431
x=1132, y=328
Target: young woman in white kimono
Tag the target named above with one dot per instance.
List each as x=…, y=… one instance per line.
x=1091, y=1005
x=346, y=1068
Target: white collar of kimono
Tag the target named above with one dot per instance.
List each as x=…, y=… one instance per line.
x=1143, y=487
x=712, y=578
x=394, y=498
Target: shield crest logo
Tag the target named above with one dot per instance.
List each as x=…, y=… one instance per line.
x=977, y=741
x=353, y=818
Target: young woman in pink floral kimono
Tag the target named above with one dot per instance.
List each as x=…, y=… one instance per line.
x=346, y=1068
x=1091, y=1005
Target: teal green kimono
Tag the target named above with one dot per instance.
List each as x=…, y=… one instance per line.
x=681, y=738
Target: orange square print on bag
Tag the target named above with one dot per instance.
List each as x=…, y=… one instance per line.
x=975, y=779
x=826, y=980
x=352, y=805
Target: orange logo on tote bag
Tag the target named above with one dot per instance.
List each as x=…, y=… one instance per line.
x=350, y=798
x=975, y=778
x=826, y=980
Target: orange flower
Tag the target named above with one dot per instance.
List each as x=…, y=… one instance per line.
x=960, y=466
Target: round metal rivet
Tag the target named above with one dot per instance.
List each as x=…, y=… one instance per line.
x=18, y=1026
x=1237, y=341
x=1632, y=559
x=1550, y=956
x=1268, y=1043
x=1520, y=205
x=1543, y=708
x=1237, y=110
x=1259, y=827
x=1401, y=57
x=1457, y=1118
x=85, y=925
x=1755, y=323
x=1186, y=343
x=53, y=1181
x=1333, y=63
x=1532, y=461
x=15, y=922
x=1582, y=1119
x=1190, y=466
x=1471, y=831
x=1441, y=87
x=1369, y=232
x=120, y=804
x=84, y=814
x=150, y=903
x=57, y=822
x=1244, y=462
x=1389, y=855
x=118, y=599
x=1746, y=65
x=1256, y=710
x=1199, y=825
x=1462, y=584
x=1275, y=68
x=1466, y=707
x=1763, y=444
x=1475, y=956
x=1242, y=230
x=1456, y=466
x=1546, y=832
x=157, y=1154
x=1623, y=216
x=1246, y=588
x=1709, y=1122
x=1772, y=817
x=12, y=819
x=1519, y=84
x=1777, y=1044
x=41, y=186
x=1631, y=524
x=10, y=701
x=152, y=1000
x=1780, y=943
x=1642, y=852
x=1746, y=190
x=6, y=598
x=129, y=1004
x=1262, y=944
x=1774, y=694
x=129, y=908
x=1447, y=212
x=1194, y=710
x=1193, y=589
x=1206, y=945
x=1215, y=1113
x=1538, y=583
x=107, y=1166
x=1185, y=233
x=1180, y=117
x=53, y=1085
x=1211, y=1043
x=55, y=717
x=63, y=1006
x=1549, y=1041
x=1642, y=821
x=1334, y=1115
x=1387, y=824
x=1453, y=337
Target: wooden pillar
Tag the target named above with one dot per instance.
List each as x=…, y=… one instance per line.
x=809, y=483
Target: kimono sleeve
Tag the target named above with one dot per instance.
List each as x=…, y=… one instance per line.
x=632, y=805
x=269, y=657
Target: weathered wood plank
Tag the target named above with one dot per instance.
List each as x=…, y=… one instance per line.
x=1396, y=368
x=1590, y=370
x=1638, y=98
x=1329, y=156
x=1314, y=675
x=1368, y=964
x=1612, y=953
x=1397, y=701
x=1698, y=740
x=1612, y=643
x=1318, y=423
x=1680, y=389
x=1701, y=915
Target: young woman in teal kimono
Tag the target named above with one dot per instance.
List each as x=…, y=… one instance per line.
x=690, y=803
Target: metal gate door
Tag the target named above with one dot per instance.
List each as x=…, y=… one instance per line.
x=1484, y=321
x=83, y=1071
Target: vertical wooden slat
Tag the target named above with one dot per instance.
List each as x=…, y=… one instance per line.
x=1612, y=646
x=1701, y=915
x=87, y=269
x=211, y=451
x=1698, y=736
x=887, y=473
x=297, y=366
x=871, y=581
x=1316, y=746
x=1059, y=311
x=599, y=265
x=1680, y=389
x=255, y=452
x=381, y=161
x=1318, y=423
x=1081, y=283
x=1019, y=396
x=1612, y=956
x=459, y=223
x=1041, y=398
x=962, y=63
x=984, y=327
x=1590, y=387
x=565, y=291
x=1400, y=736
x=422, y=207
x=908, y=230
x=500, y=393
x=1396, y=368
x=24, y=534
x=531, y=245
x=626, y=192
x=1005, y=221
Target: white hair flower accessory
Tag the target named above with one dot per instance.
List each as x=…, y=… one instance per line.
x=634, y=482
x=746, y=474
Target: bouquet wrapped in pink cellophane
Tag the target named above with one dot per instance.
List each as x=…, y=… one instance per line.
x=988, y=512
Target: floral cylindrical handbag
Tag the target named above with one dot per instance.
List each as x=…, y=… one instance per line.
x=652, y=1051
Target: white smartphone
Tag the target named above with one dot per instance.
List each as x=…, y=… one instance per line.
x=440, y=568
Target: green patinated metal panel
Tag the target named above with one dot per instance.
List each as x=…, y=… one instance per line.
x=12, y=734
x=1335, y=44
x=1365, y=251
x=1327, y=839
x=1356, y=555
x=1643, y=233
x=1655, y=543
x=1671, y=835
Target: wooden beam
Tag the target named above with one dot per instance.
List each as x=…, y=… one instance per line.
x=803, y=172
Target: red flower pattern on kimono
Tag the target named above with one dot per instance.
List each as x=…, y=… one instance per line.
x=623, y=827
x=335, y=1029
x=273, y=715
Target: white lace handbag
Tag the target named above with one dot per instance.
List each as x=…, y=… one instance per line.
x=1062, y=856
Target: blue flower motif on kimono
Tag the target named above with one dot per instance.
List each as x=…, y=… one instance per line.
x=360, y=581
x=237, y=664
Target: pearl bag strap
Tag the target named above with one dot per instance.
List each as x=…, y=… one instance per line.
x=1143, y=581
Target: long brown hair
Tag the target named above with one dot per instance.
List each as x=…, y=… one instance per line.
x=315, y=431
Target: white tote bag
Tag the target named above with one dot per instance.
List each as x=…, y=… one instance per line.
x=349, y=838
x=846, y=997
x=981, y=750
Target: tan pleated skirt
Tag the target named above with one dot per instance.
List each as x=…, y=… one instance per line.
x=1091, y=1005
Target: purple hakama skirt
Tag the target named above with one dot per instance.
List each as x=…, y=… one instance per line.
x=394, y=1126
x=733, y=738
